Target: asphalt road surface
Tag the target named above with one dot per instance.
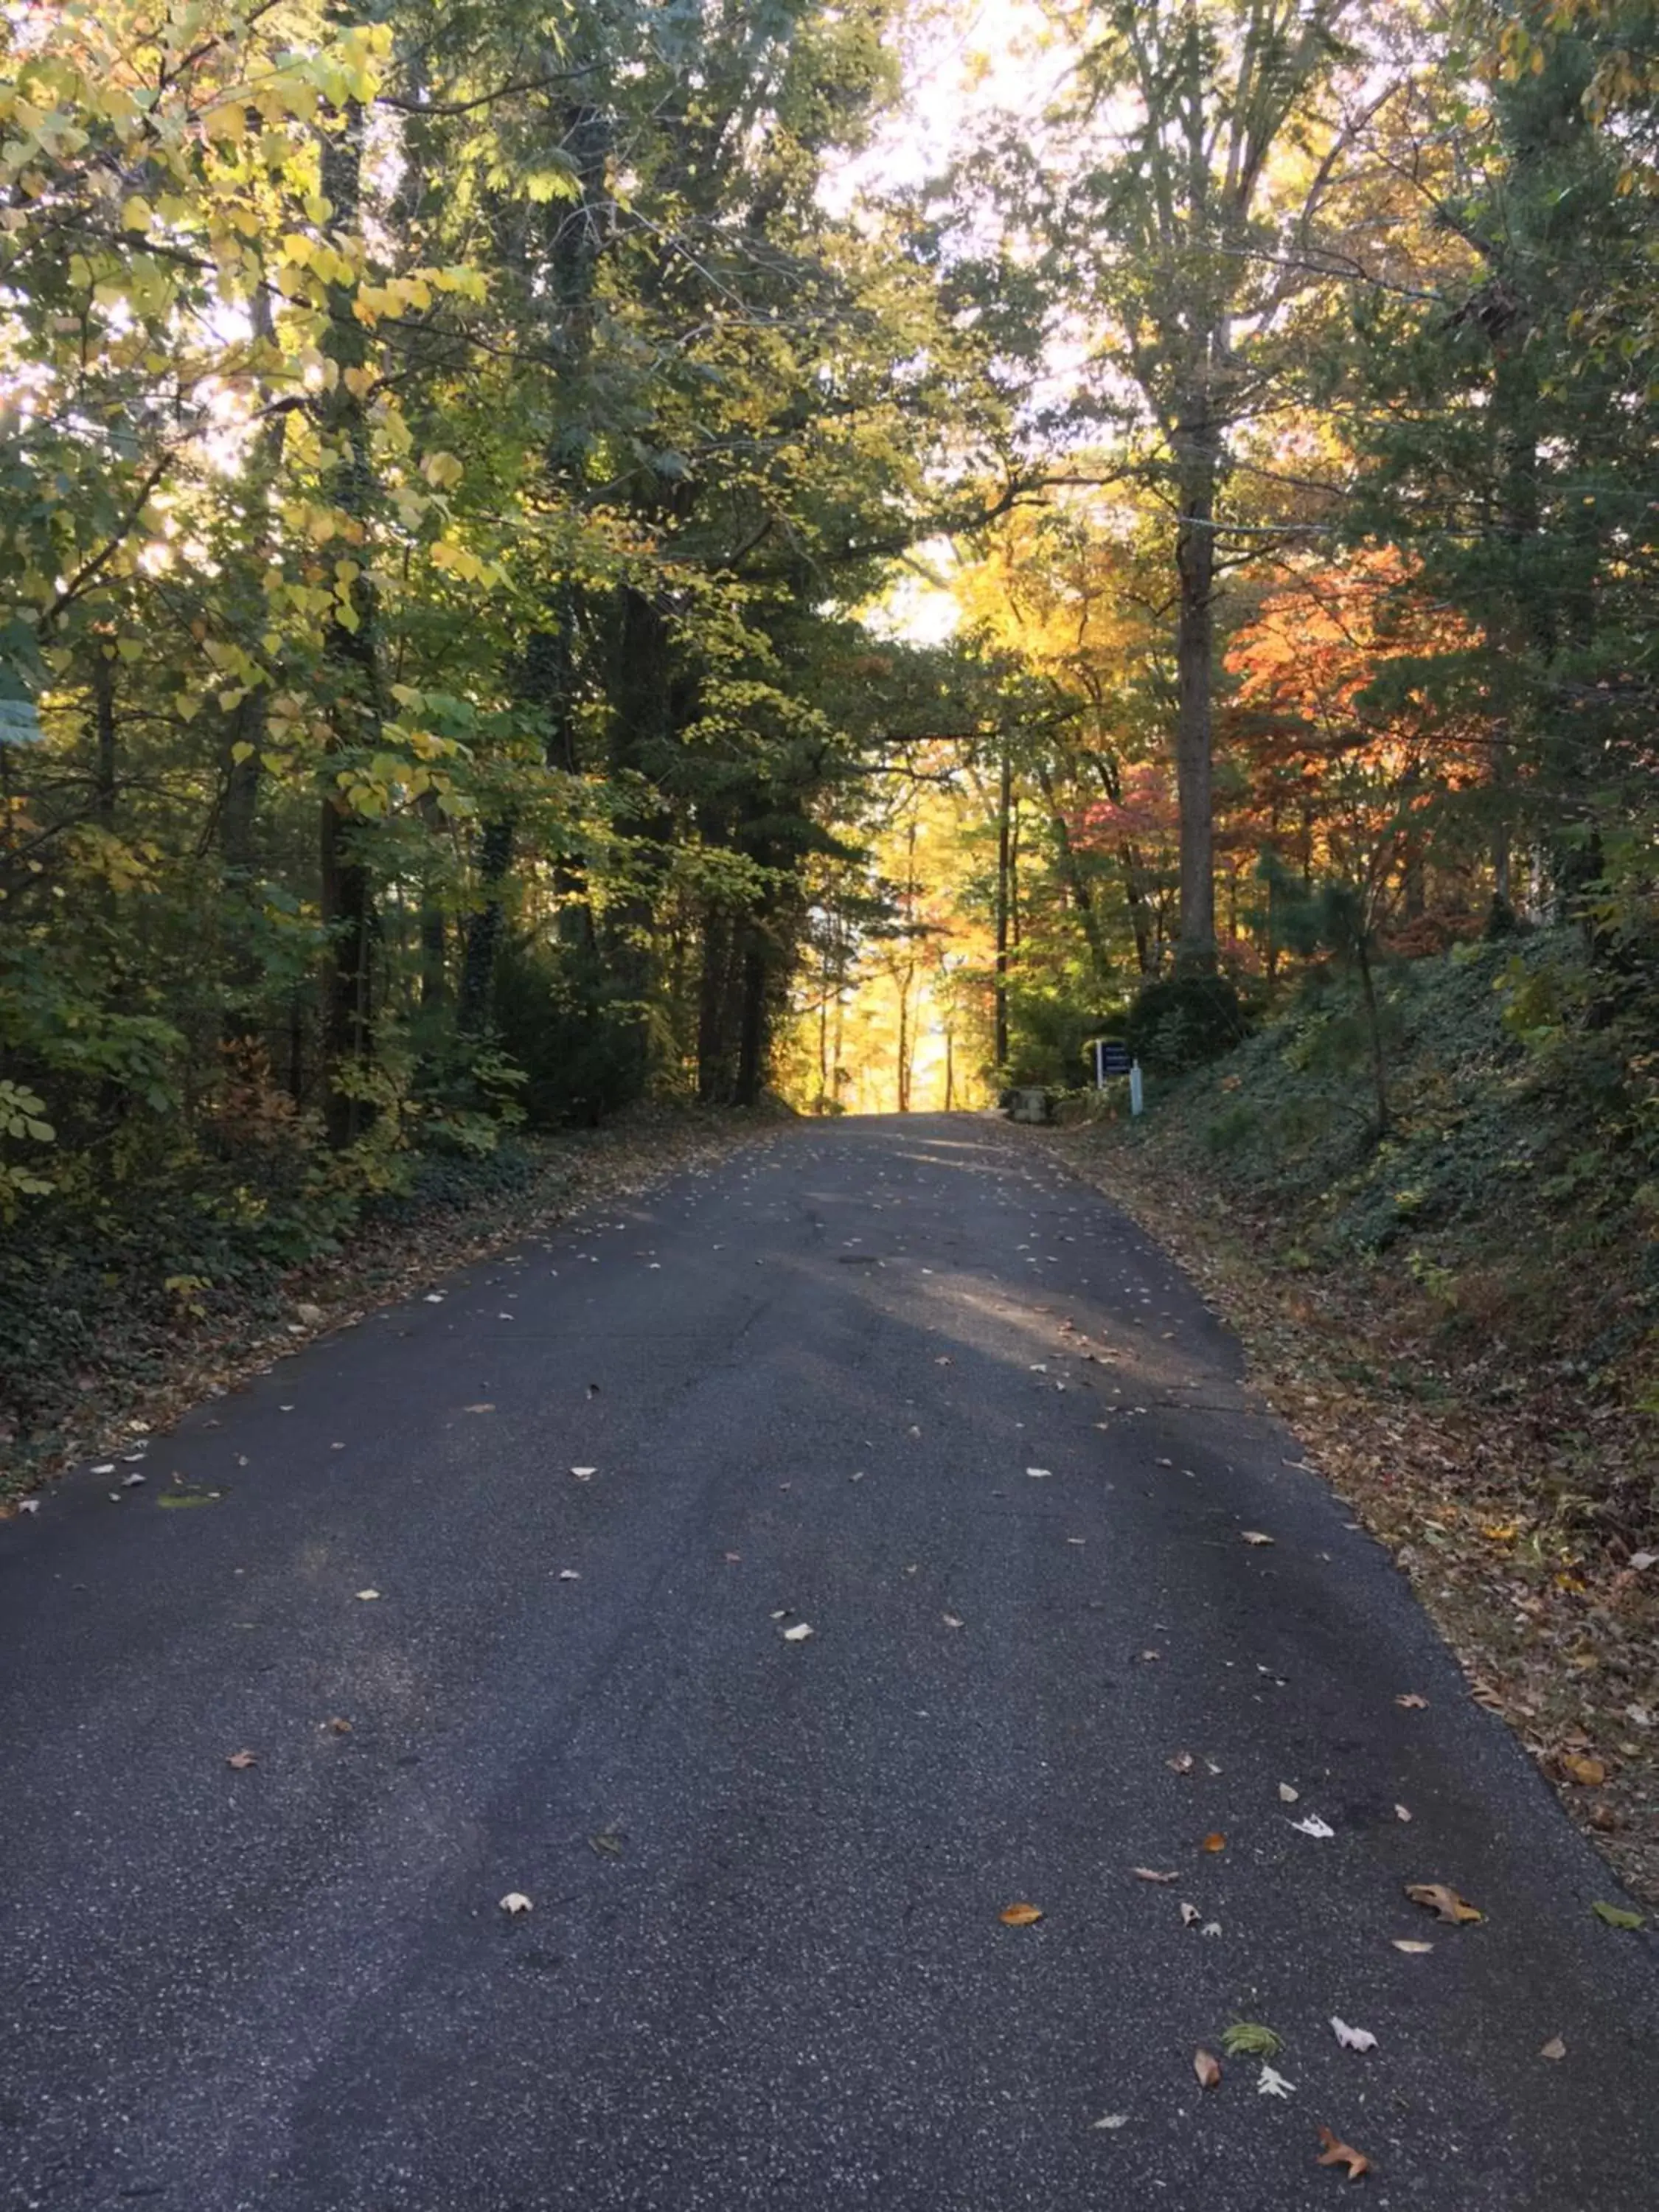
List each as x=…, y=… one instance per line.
x=900, y=1382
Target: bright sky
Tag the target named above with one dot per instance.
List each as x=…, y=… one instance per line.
x=964, y=60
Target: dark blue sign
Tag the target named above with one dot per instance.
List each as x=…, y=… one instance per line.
x=1113, y=1057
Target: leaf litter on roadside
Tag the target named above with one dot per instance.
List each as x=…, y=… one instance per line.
x=1020, y=1916
x=1207, y=2066
x=1249, y=2038
x=1353, y=2039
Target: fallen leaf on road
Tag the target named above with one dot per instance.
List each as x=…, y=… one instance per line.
x=1217, y=1842
x=367, y=1595
x=28, y=1505
x=516, y=1901
x=1040, y=1473
x=1412, y=1703
x=1182, y=1763
x=1207, y=2066
x=1150, y=1655
x=1249, y=2038
x=131, y=1482
x=1402, y=1812
x=1019, y=1916
x=1211, y=1928
x=1441, y=1899
x=1313, y=1826
x=1256, y=1536
x=1553, y=2049
x=1287, y=1795
x=569, y=1575
x=338, y=1727
x=584, y=1473
x=239, y=1759
x=1150, y=1873
x=1353, y=2039
x=1188, y=1914
x=799, y=1633
x=950, y=1620
x=1616, y=1917
x=1273, y=2084
x=1111, y=2120
x=1075, y=1540
x=108, y=1468
x=1337, y=2153
x=1408, y=1943
x=732, y=1558
x=606, y=1844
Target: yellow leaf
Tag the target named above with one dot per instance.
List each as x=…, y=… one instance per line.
x=136, y=214
x=1442, y=1900
x=1019, y=1916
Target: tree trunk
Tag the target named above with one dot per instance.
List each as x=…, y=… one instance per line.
x=484, y=926
x=1077, y=883
x=1004, y=807
x=1195, y=666
x=355, y=712
x=752, y=1041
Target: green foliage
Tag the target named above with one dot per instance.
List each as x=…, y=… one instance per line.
x=1182, y=1022
x=583, y=1045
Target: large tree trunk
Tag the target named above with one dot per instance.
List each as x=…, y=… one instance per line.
x=1005, y=808
x=356, y=710
x=484, y=926
x=1194, y=667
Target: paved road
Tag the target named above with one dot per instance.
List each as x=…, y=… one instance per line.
x=764, y=1970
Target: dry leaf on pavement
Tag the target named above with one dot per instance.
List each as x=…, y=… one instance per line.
x=1286, y=1795
x=1353, y=2039
x=1553, y=2049
x=1150, y=1873
x=1407, y=1943
x=1273, y=2084
x=239, y=1759
x=1182, y=1763
x=1217, y=1842
x=515, y=1901
x=1442, y=1900
x=799, y=1633
x=1337, y=2153
x=1019, y=1916
x=1256, y=1536
x=1412, y=1703
x=1313, y=1826
x=1207, y=2066
x=1188, y=1914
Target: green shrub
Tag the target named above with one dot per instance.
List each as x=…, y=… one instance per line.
x=1182, y=1022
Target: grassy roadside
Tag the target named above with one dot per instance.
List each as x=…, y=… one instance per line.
x=1463, y=1333
x=141, y=1365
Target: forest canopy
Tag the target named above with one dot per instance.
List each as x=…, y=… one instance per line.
x=561, y=554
